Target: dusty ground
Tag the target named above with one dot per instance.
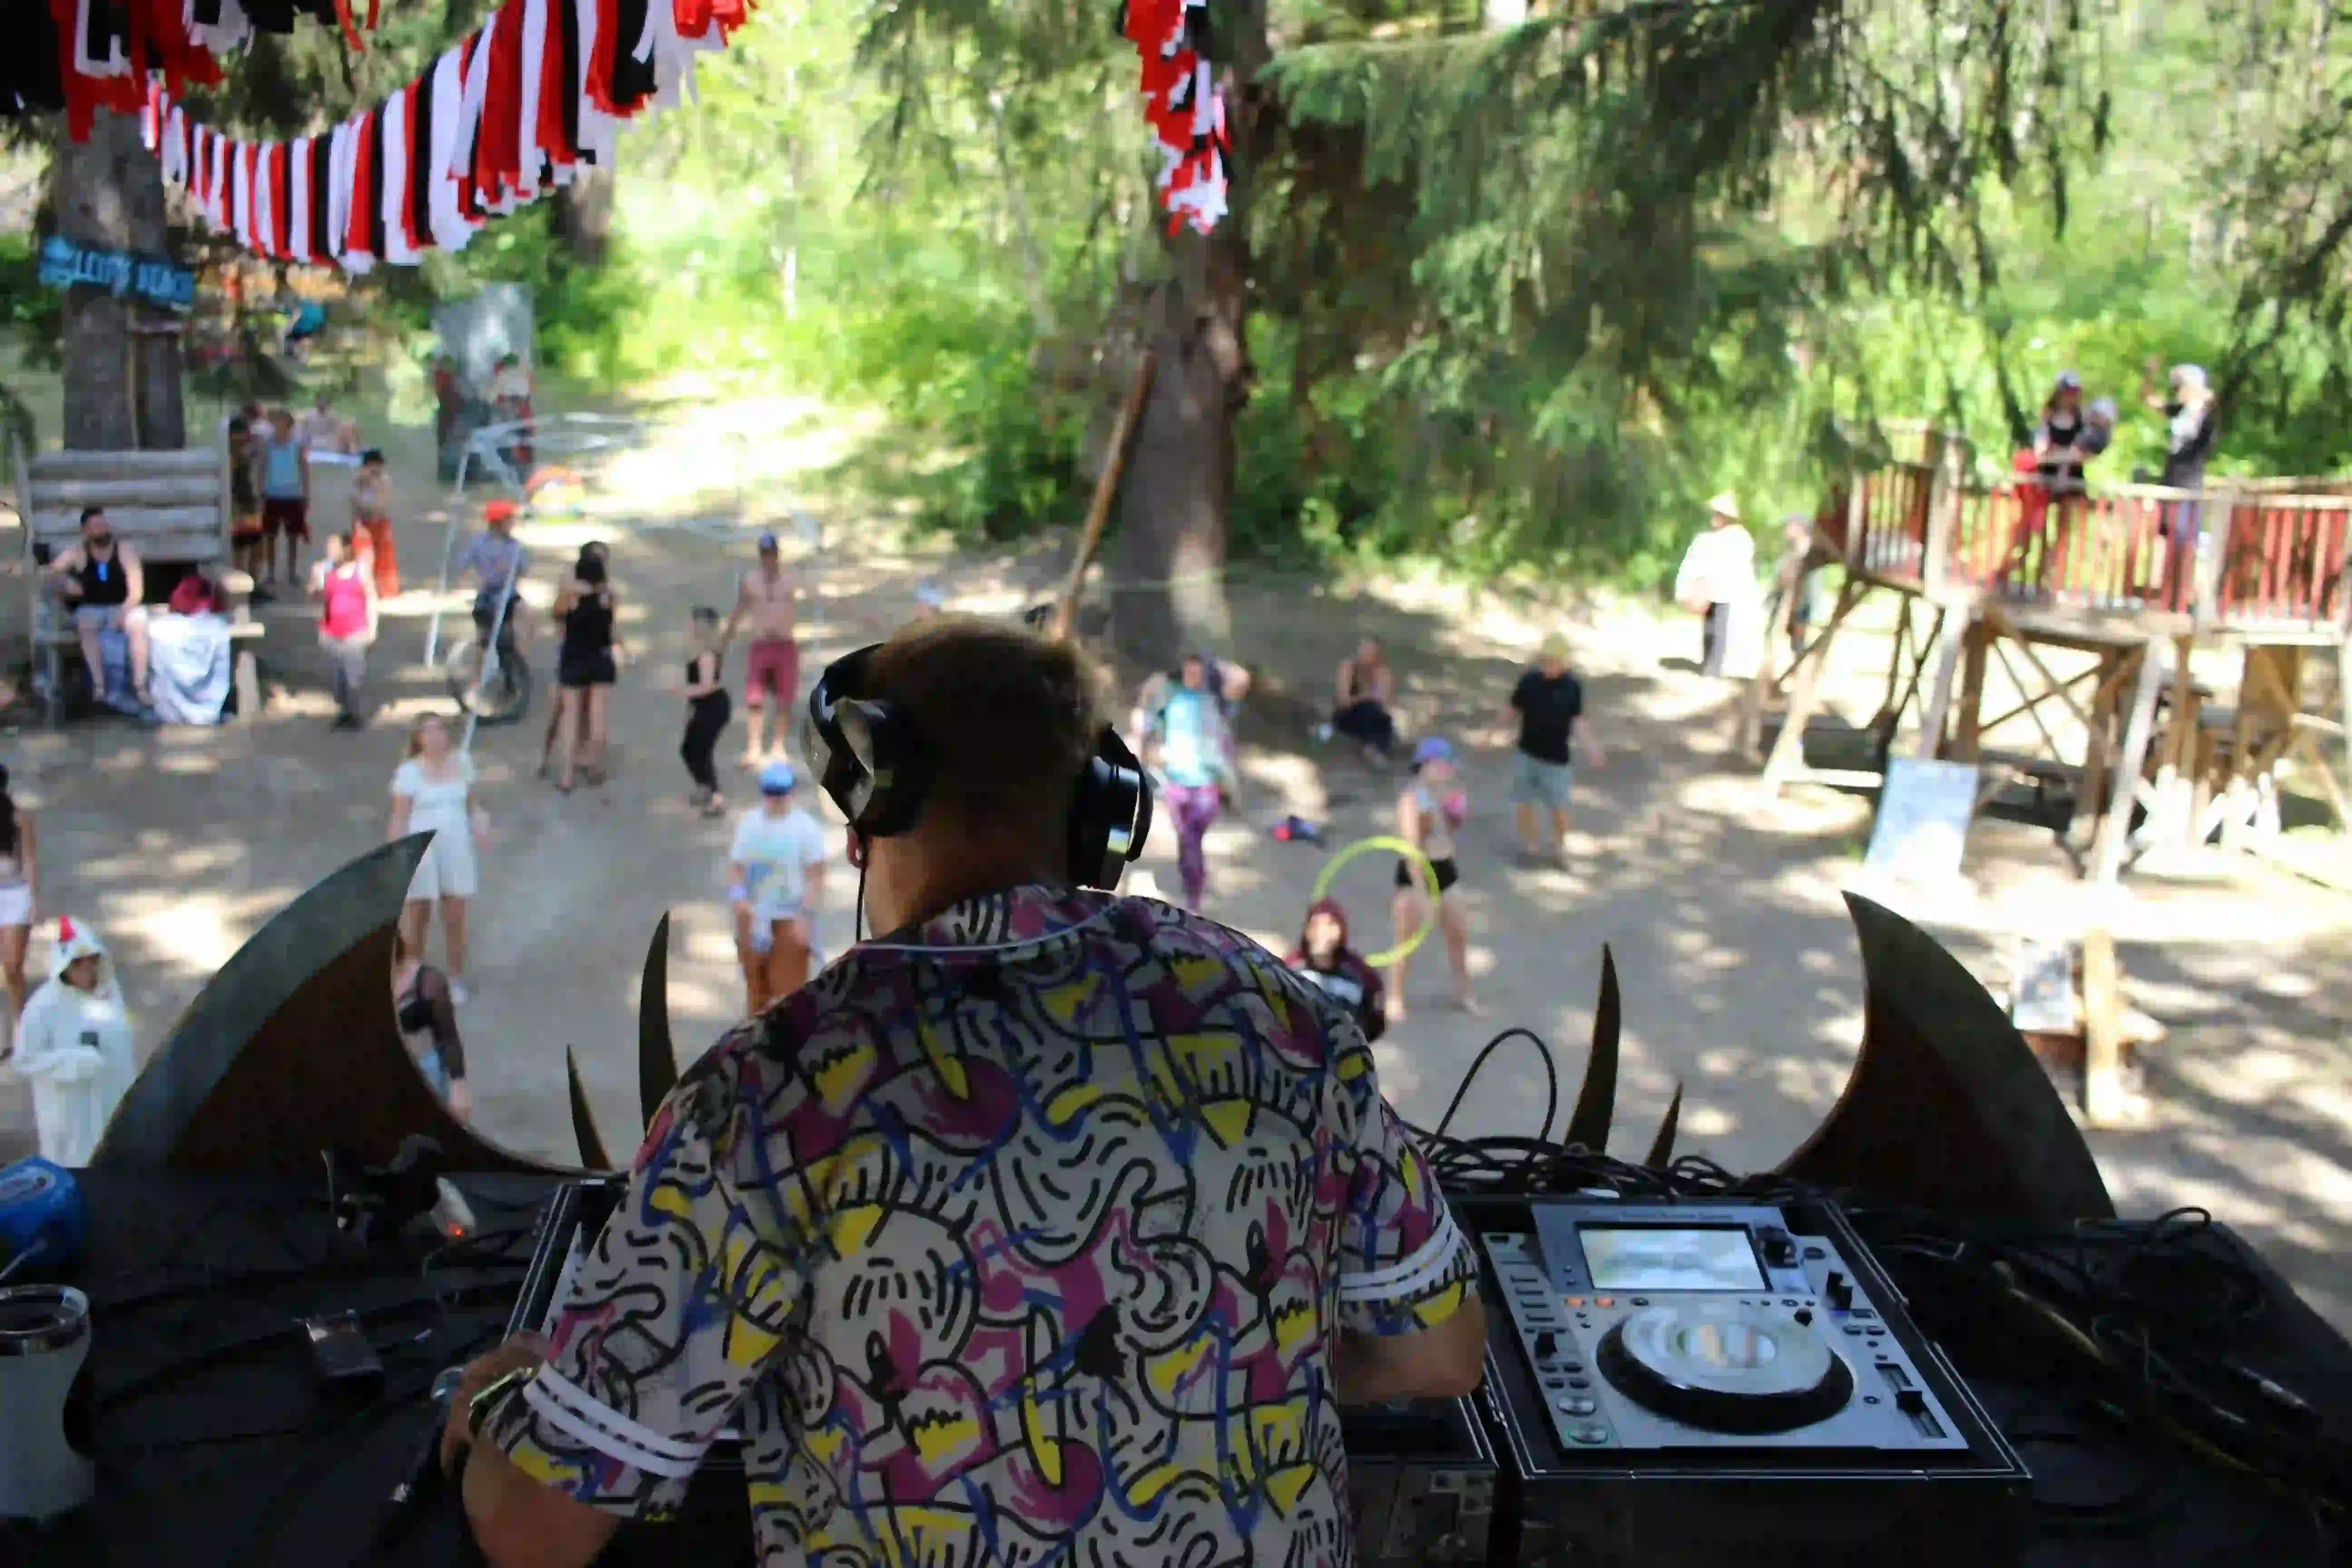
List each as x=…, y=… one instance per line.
x=1741, y=974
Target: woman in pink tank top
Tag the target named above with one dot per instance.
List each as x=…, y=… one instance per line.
x=347, y=619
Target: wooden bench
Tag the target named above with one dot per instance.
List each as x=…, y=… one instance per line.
x=172, y=507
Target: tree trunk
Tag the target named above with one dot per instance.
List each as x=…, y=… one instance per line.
x=121, y=384
x=583, y=216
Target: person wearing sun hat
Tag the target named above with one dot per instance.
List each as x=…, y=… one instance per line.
x=1429, y=812
x=775, y=873
x=1717, y=583
x=74, y=1044
x=1545, y=705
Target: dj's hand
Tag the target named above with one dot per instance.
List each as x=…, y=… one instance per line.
x=456, y=1432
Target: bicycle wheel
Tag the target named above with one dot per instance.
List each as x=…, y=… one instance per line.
x=500, y=696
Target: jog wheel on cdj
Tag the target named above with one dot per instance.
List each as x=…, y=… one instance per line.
x=1724, y=1367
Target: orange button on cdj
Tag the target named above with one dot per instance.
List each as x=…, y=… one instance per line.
x=1576, y=1300
x=1604, y=1300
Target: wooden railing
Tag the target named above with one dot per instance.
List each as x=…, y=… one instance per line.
x=2234, y=557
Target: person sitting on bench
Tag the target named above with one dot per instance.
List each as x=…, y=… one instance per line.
x=102, y=584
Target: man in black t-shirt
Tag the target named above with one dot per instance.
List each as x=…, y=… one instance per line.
x=1546, y=703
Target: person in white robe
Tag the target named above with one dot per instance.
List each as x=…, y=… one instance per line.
x=1717, y=583
x=74, y=1046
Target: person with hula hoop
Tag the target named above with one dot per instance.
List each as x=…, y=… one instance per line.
x=1428, y=812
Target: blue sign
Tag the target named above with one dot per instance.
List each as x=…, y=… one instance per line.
x=64, y=264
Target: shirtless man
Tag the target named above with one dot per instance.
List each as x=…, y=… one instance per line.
x=767, y=599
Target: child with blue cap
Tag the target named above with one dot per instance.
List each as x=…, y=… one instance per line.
x=776, y=876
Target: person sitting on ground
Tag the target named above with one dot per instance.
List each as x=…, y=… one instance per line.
x=105, y=587
x=427, y=1016
x=2058, y=441
x=74, y=1044
x=1547, y=702
x=1032, y=1149
x=1364, y=692
x=775, y=871
x=1324, y=956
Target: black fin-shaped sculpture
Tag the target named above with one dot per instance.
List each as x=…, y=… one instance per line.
x=583, y=1119
x=1596, y=1098
x=656, y=1063
x=1948, y=1107
x=1662, y=1148
x=292, y=1047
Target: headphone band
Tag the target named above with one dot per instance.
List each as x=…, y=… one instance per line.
x=870, y=759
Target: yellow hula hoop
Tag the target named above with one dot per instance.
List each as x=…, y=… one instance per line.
x=1412, y=854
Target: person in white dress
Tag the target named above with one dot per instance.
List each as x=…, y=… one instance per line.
x=74, y=1046
x=1717, y=582
x=432, y=791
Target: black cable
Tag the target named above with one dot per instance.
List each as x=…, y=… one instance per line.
x=1543, y=1054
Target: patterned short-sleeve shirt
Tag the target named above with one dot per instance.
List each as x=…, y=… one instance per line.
x=1022, y=1235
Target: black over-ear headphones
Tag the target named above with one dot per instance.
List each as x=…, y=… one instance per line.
x=869, y=759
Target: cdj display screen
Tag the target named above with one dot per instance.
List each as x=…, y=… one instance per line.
x=1655, y=1258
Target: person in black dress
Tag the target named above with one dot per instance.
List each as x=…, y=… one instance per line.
x=708, y=709
x=585, y=669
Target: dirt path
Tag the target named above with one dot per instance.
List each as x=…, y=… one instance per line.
x=1741, y=974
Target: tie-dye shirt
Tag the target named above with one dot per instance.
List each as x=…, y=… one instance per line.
x=1019, y=1237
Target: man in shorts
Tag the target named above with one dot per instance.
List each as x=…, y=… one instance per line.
x=1546, y=704
x=105, y=590
x=767, y=600
x=285, y=496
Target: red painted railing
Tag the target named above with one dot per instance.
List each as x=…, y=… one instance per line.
x=2233, y=558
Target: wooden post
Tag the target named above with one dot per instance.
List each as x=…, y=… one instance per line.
x=2108, y=855
x=1976, y=641
x=1122, y=436
x=1789, y=580
x=2103, y=1030
x=2100, y=733
x=1939, y=696
x=1789, y=745
x=2175, y=818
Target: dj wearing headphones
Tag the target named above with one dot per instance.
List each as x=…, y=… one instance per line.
x=1048, y=1224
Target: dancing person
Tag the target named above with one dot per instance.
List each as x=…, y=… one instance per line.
x=1717, y=582
x=1547, y=702
x=586, y=606
x=1034, y=1149
x=768, y=598
x=347, y=621
x=2190, y=414
x=1427, y=815
x=427, y=1016
x=1364, y=694
x=285, y=498
x=1338, y=970
x=2058, y=439
x=319, y=430
x=245, y=504
x=104, y=584
x=775, y=871
x=1186, y=740
x=432, y=791
x=371, y=514
x=74, y=1044
x=708, y=711
x=20, y=893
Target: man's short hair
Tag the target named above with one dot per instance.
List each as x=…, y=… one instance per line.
x=1007, y=717
x=90, y=511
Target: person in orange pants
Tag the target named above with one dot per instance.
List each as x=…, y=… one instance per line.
x=776, y=870
x=371, y=523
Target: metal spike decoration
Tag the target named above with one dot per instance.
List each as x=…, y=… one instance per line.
x=1947, y=1109
x=292, y=1047
x=1596, y=1098
x=656, y=1062
x=1662, y=1148
x=583, y=1119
